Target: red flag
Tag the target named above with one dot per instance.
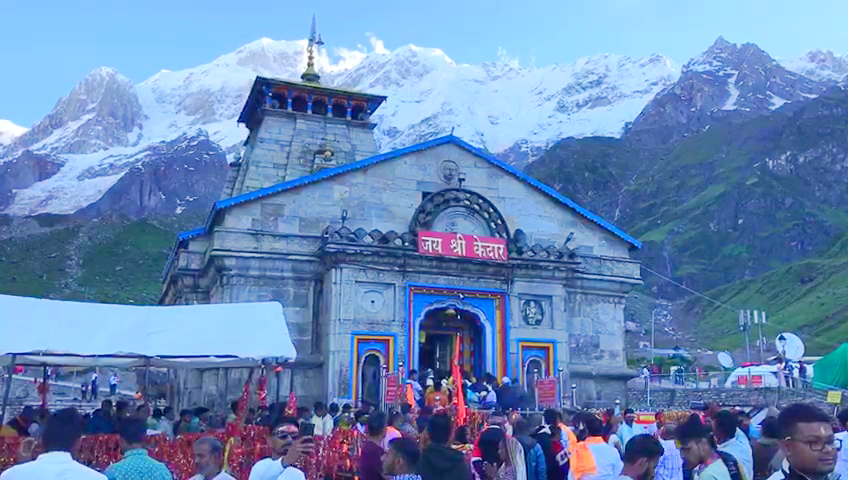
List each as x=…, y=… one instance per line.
x=457, y=381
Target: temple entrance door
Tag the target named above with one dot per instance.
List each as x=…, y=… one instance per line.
x=438, y=331
x=369, y=385
x=533, y=371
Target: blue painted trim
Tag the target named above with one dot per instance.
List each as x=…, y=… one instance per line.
x=555, y=353
x=454, y=287
x=409, y=324
x=447, y=139
x=354, y=360
x=181, y=237
x=506, y=321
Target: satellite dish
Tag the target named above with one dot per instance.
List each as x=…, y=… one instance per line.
x=790, y=346
x=725, y=360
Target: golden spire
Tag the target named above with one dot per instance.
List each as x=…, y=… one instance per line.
x=310, y=75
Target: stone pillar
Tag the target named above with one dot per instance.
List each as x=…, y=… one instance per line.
x=349, y=113
x=289, y=100
x=309, y=104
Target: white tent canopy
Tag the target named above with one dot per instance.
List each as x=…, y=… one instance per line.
x=52, y=332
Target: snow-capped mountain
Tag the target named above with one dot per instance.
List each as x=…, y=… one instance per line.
x=496, y=105
x=108, y=133
x=106, y=126
x=9, y=131
x=727, y=81
x=820, y=65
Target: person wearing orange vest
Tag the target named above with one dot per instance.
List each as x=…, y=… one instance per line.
x=593, y=458
x=392, y=430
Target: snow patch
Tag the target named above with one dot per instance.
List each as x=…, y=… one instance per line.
x=75, y=186
x=734, y=93
x=9, y=131
x=775, y=102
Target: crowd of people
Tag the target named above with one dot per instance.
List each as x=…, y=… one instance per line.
x=801, y=442
x=483, y=393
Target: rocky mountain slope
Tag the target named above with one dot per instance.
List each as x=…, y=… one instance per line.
x=721, y=196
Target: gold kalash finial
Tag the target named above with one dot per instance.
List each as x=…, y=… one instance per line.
x=310, y=75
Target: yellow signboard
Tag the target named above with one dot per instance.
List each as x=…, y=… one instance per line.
x=834, y=396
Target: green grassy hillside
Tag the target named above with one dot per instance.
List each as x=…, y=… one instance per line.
x=101, y=261
x=809, y=297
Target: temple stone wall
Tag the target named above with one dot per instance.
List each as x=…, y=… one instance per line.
x=272, y=249
x=385, y=196
x=284, y=146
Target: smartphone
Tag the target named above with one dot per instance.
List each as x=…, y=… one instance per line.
x=307, y=429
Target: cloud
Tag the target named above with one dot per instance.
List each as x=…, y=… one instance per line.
x=377, y=44
x=349, y=58
x=504, y=57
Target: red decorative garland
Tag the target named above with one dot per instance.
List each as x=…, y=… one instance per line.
x=335, y=456
x=263, y=389
x=291, y=406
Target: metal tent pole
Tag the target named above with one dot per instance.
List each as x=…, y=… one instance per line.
x=11, y=371
x=147, y=381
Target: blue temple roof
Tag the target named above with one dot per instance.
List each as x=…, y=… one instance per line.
x=447, y=139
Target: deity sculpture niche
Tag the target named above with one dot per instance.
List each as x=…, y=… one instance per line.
x=448, y=171
x=533, y=312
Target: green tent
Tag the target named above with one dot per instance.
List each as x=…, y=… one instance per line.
x=832, y=370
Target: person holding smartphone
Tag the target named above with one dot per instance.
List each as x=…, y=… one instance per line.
x=288, y=445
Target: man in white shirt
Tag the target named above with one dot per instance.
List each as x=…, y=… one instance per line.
x=61, y=436
x=670, y=465
x=166, y=423
x=842, y=459
x=209, y=460
x=286, y=450
x=628, y=429
x=113, y=384
x=322, y=420
x=641, y=457
x=731, y=440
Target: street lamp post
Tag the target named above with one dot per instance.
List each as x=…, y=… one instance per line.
x=653, y=320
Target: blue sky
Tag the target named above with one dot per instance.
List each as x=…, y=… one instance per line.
x=47, y=47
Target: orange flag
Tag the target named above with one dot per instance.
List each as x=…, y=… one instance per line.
x=457, y=381
x=410, y=397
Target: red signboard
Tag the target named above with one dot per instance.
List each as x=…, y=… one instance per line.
x=392, y=387
x=462, y=246
x=546, y=391
x=756, y=380
x=742, y=380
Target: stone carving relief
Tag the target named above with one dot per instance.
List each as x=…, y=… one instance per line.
x=584, y=348
x=533, y=312
x=448, y=171
x=463, y=210
x=344, y=378
x=374, y=302
x=347, y=303
x=460, y=220
x=601, y=266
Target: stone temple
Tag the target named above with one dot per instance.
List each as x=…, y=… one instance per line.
x=381, y=259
